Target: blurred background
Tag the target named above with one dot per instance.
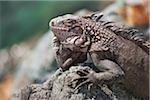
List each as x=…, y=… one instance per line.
x=26, y=54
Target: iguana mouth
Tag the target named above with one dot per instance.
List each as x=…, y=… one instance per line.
x=63, y=34
x=56, y=29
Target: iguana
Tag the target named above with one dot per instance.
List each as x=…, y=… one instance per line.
x=122, y=46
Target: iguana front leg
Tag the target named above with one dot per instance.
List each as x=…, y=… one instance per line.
x=109, y=71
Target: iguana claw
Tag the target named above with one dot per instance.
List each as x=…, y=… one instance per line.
x=88, y=77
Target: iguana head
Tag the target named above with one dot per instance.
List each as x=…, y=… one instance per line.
x=66, y=26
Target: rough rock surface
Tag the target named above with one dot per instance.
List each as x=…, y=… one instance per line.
x=59, y=87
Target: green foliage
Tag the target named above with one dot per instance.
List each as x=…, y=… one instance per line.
x=21, y=20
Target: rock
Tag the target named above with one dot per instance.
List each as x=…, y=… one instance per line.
x=59, y=87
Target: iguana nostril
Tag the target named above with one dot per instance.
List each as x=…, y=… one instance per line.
x=52, y=23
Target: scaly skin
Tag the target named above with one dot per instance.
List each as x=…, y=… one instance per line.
x=129, y=55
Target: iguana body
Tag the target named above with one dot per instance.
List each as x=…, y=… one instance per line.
x=107, y=41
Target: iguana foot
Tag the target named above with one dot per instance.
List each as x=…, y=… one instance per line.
x=90, y=78
x=86, y=77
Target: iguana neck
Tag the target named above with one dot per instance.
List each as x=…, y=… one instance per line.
x=102, y=36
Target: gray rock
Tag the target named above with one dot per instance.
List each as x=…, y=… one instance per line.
x=60, y=87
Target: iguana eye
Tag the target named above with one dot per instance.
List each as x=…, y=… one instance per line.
x=69, y=21
x=76, y=29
